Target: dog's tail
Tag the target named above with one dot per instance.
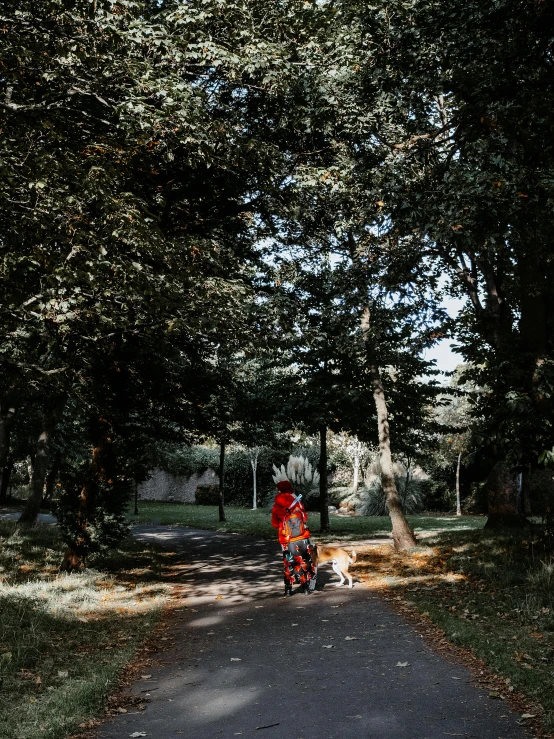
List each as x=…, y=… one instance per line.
x=352, y=557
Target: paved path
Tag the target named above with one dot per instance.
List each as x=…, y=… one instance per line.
x=243, y=661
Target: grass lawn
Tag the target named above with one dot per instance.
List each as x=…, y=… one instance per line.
x=258, y=523
x=65, y=638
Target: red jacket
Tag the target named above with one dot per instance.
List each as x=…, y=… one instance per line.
x=281, y=504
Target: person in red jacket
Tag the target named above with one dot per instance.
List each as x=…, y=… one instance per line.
x=289, y=517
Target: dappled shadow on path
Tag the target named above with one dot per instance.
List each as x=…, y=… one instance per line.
x=208, y=565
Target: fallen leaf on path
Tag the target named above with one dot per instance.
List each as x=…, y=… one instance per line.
x=236, y=659
x=494, y=694
x=136, y=734
x=455, y=678
x=402, y=664
x=267, y=726
x=529, y=715
x=218, y=597
x=350, y=638
x=328, y=646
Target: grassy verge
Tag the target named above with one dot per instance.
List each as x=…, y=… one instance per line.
x=492, y=594
x=258, y=523
x=65, y=638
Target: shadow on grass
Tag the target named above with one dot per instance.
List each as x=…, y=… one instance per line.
x=55, y=669
x=66, y=637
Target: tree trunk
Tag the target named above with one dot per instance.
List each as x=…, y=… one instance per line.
x=407, y=482
x=402, y=535
x=356, y=480
x=51, y=477
x=221, y=480
x=495, y=320
x=30, y=467
x=254, y=463
x=75, y=555
x=503, y=498
x=323, y=491
x=458, y=498
x=41, y=460
x=533, y=322
x=136, y=511
x=520, y=493
x=7, y=418
x=526, y=498
x=5, y=475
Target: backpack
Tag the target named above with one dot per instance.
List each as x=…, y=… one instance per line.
x=294, y=524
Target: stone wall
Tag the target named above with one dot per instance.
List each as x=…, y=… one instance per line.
x=164, y=486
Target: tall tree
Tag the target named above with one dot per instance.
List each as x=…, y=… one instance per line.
x=132, y=213
x=451, y=162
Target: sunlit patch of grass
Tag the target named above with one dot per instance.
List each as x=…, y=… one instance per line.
x=66, y=637
x=489, y=592
x=86, y=594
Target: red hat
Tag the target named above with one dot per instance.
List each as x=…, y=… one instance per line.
x=285, y=487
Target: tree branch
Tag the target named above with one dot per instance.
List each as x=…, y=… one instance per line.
x=468, y=277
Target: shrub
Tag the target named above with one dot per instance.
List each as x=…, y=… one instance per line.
x=438, y=494
x=186, y=460
x=370, y=500
x=300, y=472
x=207, y=495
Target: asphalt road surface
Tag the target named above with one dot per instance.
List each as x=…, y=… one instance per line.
x=243, y=661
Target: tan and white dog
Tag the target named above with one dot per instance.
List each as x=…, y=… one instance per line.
x=340, y=560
